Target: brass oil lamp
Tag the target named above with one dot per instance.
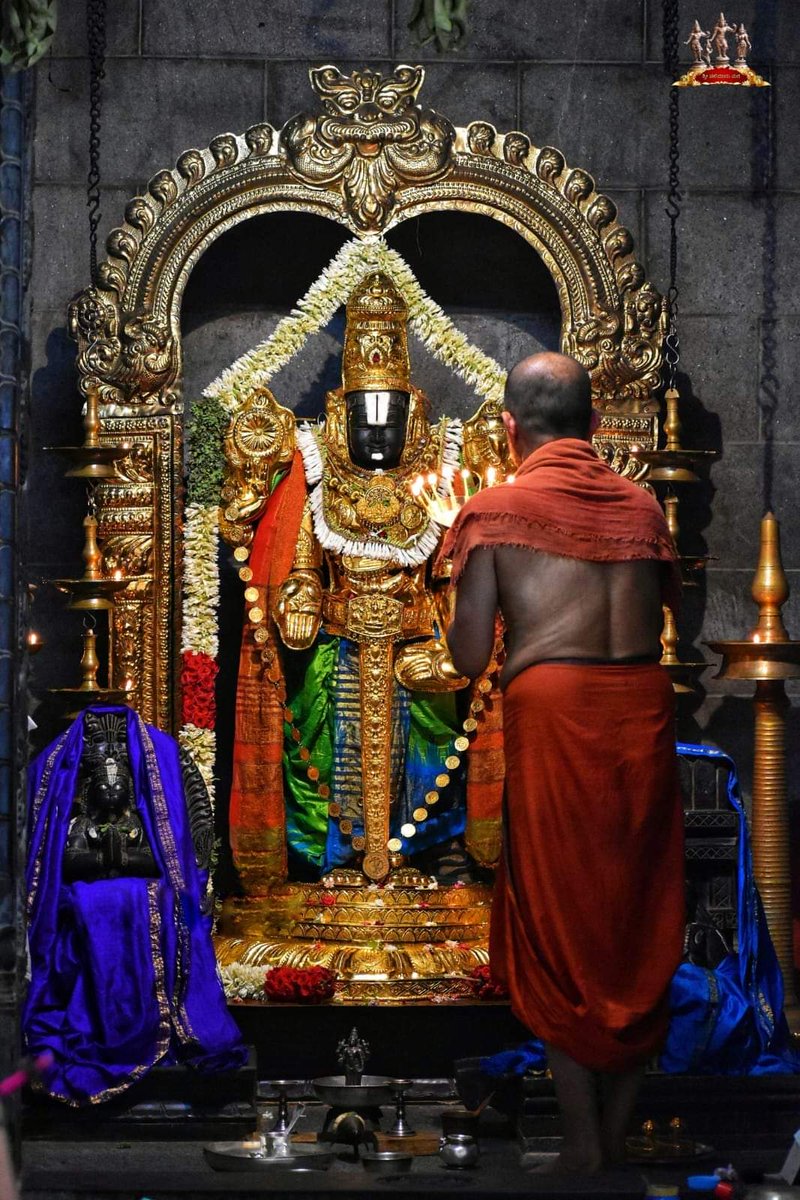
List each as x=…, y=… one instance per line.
x=673, y=465
x=768, y=656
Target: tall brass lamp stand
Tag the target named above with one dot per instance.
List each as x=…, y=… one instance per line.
x=769, y=656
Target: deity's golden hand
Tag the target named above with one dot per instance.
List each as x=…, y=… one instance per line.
x=297, y=610
x=428, y=667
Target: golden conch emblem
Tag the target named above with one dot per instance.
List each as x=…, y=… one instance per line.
x=375, y=354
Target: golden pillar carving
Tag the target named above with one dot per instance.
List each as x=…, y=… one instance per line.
x=374, y=621
x=768, y=656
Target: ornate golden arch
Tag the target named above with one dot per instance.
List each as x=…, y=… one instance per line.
x=371, y=159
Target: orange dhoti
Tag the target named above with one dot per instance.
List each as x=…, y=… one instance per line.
x=588, y=912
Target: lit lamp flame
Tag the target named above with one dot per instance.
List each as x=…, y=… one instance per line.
x=439, y=497
x=33, y=642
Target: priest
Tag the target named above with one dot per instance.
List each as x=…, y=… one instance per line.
x=588, y=912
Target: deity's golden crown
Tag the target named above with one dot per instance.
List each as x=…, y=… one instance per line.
x=375, y=354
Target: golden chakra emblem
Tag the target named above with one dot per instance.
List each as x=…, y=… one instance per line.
x=379, y=507
x=258, y=432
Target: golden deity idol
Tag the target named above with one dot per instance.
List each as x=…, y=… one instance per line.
x=352, y=725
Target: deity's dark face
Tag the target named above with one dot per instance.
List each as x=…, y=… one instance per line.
x=376, y=428
x=109, y=789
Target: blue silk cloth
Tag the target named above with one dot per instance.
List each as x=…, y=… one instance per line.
x=123, y=972
x=728, y=1021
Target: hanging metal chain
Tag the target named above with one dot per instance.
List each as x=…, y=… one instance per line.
x=763, y=127
x=96, y=37
x=673, y=209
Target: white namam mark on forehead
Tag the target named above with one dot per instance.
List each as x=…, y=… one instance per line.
x=377, y=407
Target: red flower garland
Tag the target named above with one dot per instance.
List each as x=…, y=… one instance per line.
x=300, y=985
x=484, y=986
x=198, y=675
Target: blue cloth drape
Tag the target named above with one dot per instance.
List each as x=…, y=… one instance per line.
x=123, y=972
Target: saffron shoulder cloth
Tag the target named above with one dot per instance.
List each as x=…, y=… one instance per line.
x=123, y=972
x=565, y=501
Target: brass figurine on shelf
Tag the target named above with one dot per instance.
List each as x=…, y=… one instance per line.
x=704, y=43
x=697, y=42
x=352, y=1053
x=93, y=592
x=719, y=40
x=89, y=691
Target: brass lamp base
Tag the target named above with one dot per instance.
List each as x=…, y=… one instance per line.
x=91, y=595
x=91, y=462
x=674, y=466
x=748, y=659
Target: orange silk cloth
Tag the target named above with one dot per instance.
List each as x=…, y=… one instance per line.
x=257, y=815
x=588, y=912
x=565, y=501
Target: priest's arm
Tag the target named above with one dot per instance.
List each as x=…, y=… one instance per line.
x=471, y=634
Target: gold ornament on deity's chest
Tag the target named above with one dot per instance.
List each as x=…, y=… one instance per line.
x=344, y=512
x=412, y=517
x=379, y=507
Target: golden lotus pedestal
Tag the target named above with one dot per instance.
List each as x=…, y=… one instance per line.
x=395, y=943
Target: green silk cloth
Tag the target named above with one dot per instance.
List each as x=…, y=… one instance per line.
x=322, y=693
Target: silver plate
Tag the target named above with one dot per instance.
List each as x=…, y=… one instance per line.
x=387, y=1162
x=239, y=1156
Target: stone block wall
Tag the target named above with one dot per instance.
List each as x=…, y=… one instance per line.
x=583, y=75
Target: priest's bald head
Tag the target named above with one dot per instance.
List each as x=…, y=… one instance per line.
x=547, y=396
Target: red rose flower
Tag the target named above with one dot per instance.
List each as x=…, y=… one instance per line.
x=198, y=675
x=309, y=985
x=484, y=986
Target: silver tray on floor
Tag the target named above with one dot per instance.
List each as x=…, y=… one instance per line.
x=243, y=1156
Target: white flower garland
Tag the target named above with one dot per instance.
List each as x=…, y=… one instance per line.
x=328, y=293
x=202, y=745
x=200, y=633
x=242, y=982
